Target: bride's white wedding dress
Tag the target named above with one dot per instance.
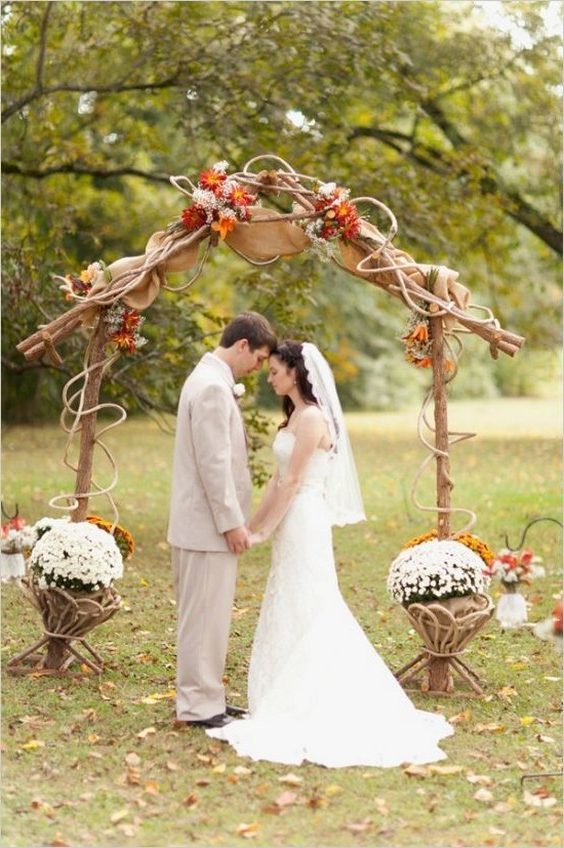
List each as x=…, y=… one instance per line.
x=318, y=690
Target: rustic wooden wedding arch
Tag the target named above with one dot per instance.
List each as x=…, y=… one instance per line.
x=433, y=293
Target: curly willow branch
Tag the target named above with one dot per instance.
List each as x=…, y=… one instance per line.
x=78, y=412
x=454, y=437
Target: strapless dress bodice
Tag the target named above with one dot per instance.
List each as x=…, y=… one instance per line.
x=315, y=474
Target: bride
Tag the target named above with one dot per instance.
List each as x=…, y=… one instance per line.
x=318, y=690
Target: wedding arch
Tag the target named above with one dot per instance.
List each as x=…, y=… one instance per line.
x=223, y=207
x=227, y=208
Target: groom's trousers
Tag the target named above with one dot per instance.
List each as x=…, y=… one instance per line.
x=204, y=583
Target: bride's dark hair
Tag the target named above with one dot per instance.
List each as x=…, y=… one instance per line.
x=290, y=353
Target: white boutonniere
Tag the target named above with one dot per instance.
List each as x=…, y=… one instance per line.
x=239, y=390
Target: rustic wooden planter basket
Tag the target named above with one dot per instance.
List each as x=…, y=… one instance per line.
x=67, y=617
x=446, y=627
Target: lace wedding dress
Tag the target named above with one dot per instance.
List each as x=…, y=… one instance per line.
x=318, y=690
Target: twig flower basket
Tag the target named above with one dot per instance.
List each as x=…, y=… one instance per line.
x=441, y=585
x=72, y=569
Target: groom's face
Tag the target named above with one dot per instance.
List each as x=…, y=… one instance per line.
x=250, y=360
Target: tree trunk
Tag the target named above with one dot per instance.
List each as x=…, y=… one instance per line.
x=56, y=653
x=91, y=392
x=444, y=483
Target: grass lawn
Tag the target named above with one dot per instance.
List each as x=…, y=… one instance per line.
x=91, y=761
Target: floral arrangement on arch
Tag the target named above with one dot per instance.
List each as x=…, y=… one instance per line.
x=436, y=570
x=123, y=324
x=218, y=200
x=339, y=219
x=514, y=567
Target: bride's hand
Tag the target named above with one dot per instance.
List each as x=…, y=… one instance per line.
x=256, y=538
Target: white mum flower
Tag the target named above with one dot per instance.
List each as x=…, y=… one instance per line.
x=436, y=569
x=77, y=556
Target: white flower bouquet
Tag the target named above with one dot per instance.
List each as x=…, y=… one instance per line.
x=436, y=570
x=78, y=556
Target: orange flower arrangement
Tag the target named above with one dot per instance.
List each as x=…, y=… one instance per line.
x=473, y=542
x=219, y=201
x=123, y=538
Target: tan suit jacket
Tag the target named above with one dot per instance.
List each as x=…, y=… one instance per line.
x=211, y=483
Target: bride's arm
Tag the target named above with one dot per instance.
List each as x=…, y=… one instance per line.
x=309, y=433
x=262, y=510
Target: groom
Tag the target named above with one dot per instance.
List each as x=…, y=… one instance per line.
x=211, y=495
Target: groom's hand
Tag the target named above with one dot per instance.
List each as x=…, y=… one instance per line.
x=237, y=540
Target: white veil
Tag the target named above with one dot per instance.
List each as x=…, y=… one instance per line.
x=343, y=491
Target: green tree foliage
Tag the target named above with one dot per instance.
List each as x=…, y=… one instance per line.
x=450, y=122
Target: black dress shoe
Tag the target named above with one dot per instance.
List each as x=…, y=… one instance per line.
x=215, y=721
x=235, y=711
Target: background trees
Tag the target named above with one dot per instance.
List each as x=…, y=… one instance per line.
x=453, y=124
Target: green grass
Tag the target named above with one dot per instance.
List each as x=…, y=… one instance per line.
x=71, y=784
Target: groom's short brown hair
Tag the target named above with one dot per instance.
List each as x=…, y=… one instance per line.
x=251, y=326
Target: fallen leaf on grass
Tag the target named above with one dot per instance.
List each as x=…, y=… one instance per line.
x=191, y=800
x=291, y=780
x=416, y=771
x=316, y=802
x=172, y=766
x=503, y=807
x=59, y=842
x=333, y=789
x=483, y=795
x=33, y=744
x=151, y=787
x=360, y=826
x=148, y=731
x=219, y=769
x=133, y=759
x=506, y=693
x=382, y=806
x=542, y=738
x=465, y=715
x=445, y=770
x=525, y=721
x=496, y=831
x=119, y=815
x=286, y=799
x=490, y=727
x=203, y=782
x=483, y=779
x=242, y=770
x=127, y=829
x=43, y=807
x=247, y=831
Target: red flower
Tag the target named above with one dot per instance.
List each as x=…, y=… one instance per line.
x=211, y=180
x=124, y=341
x=239, y=196
x=15, y=523
x=131, y=321
x=193, y=217
x=526, y=556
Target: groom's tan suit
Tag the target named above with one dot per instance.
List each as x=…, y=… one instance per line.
x=211, y=493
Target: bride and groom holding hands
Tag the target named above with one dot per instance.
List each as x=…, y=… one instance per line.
x=317, y=689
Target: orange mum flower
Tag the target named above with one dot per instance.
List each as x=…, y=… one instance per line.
x=224, y=226
x=419, y=334
x=239, y=196
x=211, y=180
